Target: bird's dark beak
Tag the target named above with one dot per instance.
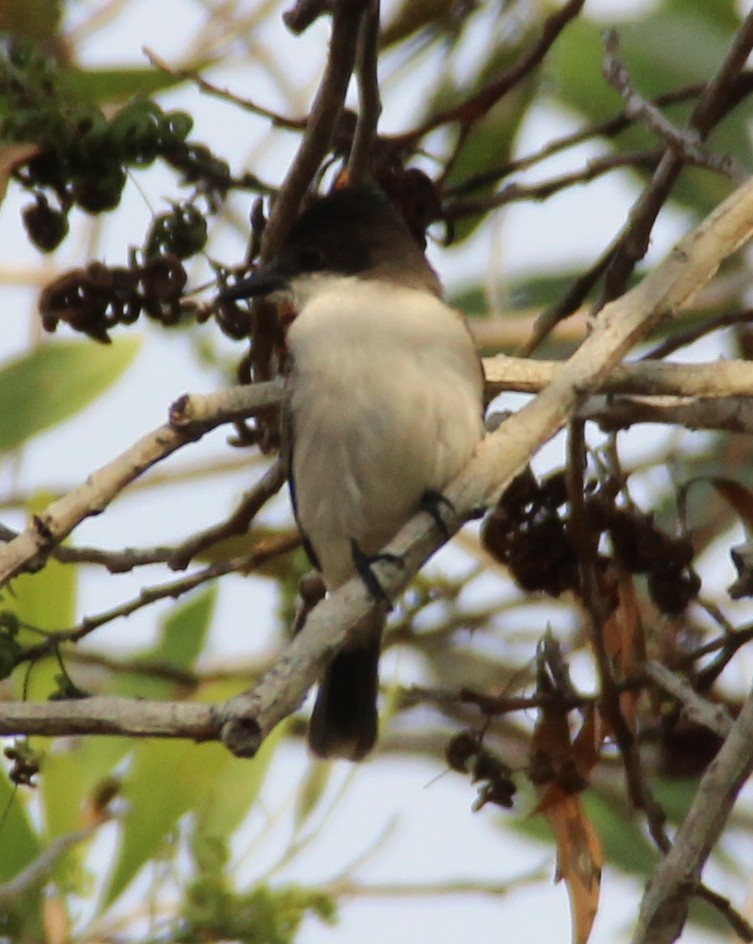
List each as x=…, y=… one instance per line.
x=262, y=282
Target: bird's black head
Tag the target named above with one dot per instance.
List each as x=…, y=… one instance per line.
x=354, y=231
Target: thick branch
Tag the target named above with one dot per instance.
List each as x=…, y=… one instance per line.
x=133, y=717
x=648, y=378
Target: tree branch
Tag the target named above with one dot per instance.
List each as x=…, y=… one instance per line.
x=714, y=717
x=686, y=142
x=370, y=104
x=632, y=242
x=721, y=391
x=475, y=107
x=32, y=545
x=665, y=903
x=320, y=125
x=132, y=717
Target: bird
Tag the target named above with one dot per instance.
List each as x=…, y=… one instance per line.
x=383, y=408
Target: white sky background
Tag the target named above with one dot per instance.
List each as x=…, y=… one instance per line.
x=436, y=837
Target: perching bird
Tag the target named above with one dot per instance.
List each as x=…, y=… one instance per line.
x=384, y=409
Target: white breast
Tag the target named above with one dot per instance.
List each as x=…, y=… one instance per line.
x=386, y=393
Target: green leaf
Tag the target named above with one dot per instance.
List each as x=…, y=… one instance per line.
x=721, y=13
x=169, y=778
x=311, y=791
x=159, y=789
x=625, y=845
x=184, y=631
x=576, y=72
x=71, y=773
x=117, y=85
x=54, y=382
x=46, y=599
x=489, y=143
x=237, y=789
x=411, y=17
x=21, y=919
x=19, y=842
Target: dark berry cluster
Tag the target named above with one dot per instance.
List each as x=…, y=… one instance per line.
x=82, y=156
x=529, y=531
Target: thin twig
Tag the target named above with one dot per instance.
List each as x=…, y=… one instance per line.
x=478, y=104
x=174, y=589
x=193, y=75
x=541, y=190
x=570, y=302
x=633, y=240
x=48, y=529
x=629, y=245
x=585, y=542
x=238, y=523
x=320, y=125
x=607, y=129
x=712, y=716
x=694, y=332
x=369, y=101
x=686, y=142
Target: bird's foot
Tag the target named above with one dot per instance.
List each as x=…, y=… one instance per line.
x=364, y=563
x=432, y=502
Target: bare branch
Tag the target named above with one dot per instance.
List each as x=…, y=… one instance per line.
x=687, y=143
x=729, y=381
x=543, y=189
x=632, y=242
x=320, y=125
x=730, y=414
x=607, y=129
x=369, y=100
x=629, y=246
x=665, y=903
x=714, y=717
x=644, y=378
x=475, y=107
x=174, y=589
x=238, y=523
x=192, y=75
x=57, y=521
x=133, y=717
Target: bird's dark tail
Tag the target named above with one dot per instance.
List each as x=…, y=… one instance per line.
x=344, y=721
